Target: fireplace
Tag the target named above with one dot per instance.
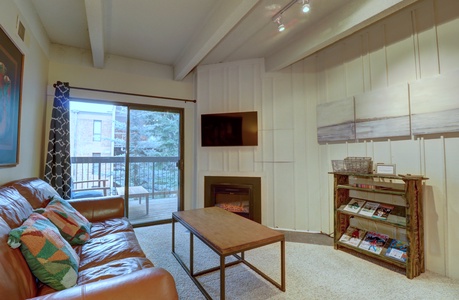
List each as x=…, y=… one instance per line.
x=239, y=195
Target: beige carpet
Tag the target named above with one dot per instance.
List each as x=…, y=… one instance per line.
x=313, y=272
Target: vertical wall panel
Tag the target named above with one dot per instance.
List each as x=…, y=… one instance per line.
x=447, y=34
x=248, y=86
x=284, y=208
x=354, y=65
x=407, y=156
x=313, y=181
x=231, y=93
x=435, y=205
x=283, y=145
x=382, y=152
x=301, y=178
x=268, y=104
x=377, y=56
x=424, y=22
x=335, y=73
x=399, y=48
x=216, y=95
x=452, y=207
x=267, y=195
x=282, y=101
x=357, y=149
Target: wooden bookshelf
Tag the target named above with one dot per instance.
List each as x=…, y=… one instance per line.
x=406, y=216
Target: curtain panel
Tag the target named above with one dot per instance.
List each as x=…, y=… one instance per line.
x=58, y=167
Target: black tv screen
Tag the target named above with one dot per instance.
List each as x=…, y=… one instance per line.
x=229, y=129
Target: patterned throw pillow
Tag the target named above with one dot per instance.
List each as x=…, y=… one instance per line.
x=73, y=226
x=49, y=256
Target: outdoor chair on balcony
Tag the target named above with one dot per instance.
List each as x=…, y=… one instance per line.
x=90, y=188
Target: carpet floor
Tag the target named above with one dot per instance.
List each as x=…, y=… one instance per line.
x=313, y=272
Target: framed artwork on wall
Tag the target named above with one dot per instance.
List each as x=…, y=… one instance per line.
x=11, y=68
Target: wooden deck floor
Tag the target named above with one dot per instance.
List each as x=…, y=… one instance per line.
x=159, y=210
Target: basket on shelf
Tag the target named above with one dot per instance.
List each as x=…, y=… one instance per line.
x=361, y=165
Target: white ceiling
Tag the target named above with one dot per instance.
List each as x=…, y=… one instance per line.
x=187, y=33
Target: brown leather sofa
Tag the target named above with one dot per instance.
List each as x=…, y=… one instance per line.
x=112, y=264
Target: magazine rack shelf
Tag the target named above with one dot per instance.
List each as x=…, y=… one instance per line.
x=407, y=216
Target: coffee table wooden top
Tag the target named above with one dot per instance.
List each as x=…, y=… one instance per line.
x=226, y=232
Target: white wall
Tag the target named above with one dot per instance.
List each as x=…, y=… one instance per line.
x=418, y=42
x=32, y=134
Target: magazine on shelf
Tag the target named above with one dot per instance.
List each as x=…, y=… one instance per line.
x=374, y=242
x=369, y=208
x=383, y=211
x=352, y=236
x=397, y=250
x=354, y=205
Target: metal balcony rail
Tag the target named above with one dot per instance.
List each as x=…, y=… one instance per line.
x=158, y=175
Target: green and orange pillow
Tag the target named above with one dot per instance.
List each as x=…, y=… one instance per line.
x=72, y=225
x=49, y=256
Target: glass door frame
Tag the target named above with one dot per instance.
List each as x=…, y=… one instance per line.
x=180, y=163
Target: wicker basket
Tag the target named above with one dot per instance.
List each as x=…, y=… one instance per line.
x=361, y=165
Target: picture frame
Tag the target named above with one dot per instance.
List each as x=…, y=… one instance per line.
x=384, y=169
x=11, y=69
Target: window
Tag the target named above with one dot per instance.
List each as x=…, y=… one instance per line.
x=97, y=130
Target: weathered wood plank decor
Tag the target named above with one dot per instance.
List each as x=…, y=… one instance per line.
x=435, y=104
x=335, y=121
x=383, y=113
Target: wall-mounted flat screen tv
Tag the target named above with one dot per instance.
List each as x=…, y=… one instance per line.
x=229, y=129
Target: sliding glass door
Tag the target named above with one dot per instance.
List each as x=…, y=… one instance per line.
x=131, y=151
x=153, y=160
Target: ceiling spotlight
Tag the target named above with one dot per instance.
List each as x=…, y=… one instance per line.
x=280, y=27
x=306, y=7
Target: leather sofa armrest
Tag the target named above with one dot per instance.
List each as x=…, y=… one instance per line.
x=146, y=284
x=99, y=209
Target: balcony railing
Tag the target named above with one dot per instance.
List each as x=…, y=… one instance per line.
x=159, y=175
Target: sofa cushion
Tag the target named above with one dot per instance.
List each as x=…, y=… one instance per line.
x=114, y=268
x=101, y=250
x=35, y=190
x=49, y=256
x=99, y=229
x=14, y=208
x=73, y=226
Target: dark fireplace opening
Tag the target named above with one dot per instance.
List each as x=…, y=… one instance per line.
x=239, y=195
x=235, y=198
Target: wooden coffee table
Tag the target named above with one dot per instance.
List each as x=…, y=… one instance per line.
x=226, y=234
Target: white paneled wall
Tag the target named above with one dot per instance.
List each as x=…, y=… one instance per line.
x=419, y=42
x=297, y=191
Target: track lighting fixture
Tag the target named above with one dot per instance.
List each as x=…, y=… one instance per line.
x=305, y=7
x=280, y=26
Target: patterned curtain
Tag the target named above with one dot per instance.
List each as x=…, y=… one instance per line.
x=57, y=169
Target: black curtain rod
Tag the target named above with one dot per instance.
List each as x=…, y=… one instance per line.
x=128, y=94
